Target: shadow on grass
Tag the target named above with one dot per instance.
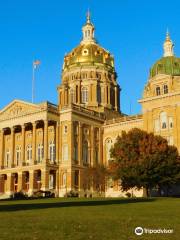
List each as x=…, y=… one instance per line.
x=32, y=206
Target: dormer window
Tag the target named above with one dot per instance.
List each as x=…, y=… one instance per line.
x=158, y=91
x=165, y=89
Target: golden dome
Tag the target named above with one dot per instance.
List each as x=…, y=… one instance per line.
x=88, y=54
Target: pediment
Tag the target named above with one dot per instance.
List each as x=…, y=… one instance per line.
x=18, y=108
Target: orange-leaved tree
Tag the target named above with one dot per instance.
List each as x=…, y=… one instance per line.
x=142, y=159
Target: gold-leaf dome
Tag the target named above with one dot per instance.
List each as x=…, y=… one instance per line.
x=88, y=52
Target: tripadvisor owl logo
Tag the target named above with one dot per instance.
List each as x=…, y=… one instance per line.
x=138, y=231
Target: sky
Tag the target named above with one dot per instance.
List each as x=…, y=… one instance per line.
x=133, y=31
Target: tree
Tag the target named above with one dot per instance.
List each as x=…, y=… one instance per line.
x=142, y=159
x=95, y=178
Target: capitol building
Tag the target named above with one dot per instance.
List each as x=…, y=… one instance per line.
x=48, y=147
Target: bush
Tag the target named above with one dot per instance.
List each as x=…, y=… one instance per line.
x=71, y=194
x=41, y=194
x=19, y=196
x=128, y=194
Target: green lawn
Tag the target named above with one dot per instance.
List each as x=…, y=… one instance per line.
x=101, y=219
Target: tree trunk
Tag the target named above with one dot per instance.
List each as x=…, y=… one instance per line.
x=145, y=192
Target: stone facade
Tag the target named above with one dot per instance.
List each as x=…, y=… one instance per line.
x=49, y=147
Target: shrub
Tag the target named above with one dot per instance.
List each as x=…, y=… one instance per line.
x=128, y=194
x=71, y=194
x=19, y=196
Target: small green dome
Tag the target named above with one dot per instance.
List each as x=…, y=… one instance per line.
x=166, y=65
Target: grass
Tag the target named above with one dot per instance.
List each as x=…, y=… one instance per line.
x=96, y=219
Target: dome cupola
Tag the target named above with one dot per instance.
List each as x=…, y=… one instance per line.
x=169, y=64
x=88, y=75
x=88, y=31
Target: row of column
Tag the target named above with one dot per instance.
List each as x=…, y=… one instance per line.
x=34, y=124
x=7, y=181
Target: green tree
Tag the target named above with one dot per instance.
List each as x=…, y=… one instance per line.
x=141, y=159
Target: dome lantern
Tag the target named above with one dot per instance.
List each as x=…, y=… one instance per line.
x=88, y=30
x=168, y=46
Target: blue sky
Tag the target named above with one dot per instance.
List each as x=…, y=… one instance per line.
x=133, y=31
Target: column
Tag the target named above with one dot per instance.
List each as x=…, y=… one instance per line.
x=20, y=182
x=45, y=179
x=9, y=184
x=66, y=96
x=105, y=95
x=60, y=99
x=12, y=146
x=45, y=141
x=116, y=106
x=57, y=183
x=90, y=94
x=57, y=142
x=80, y=144
x=92, y=147
x=2, y=148
x=23, y=145
x=100, y=147
x=31, y=182
x=109, y=95
x=34, y=143
x=79, y=93
x=60, y=143
x=1, y=183
x=71, y=141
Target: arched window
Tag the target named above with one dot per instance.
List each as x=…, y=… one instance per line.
x=7, y=158
x=108, y=145
x=158, y=91
x=165, y=89
x=163, y=119
x=85, y=153
x=84, y=95
x=29, y=153
x=18, y=155
x=40, y=152
x=52, y=151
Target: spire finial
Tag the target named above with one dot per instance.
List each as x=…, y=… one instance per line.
x=167, y=34
x=168, y=46
x=88, y=16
